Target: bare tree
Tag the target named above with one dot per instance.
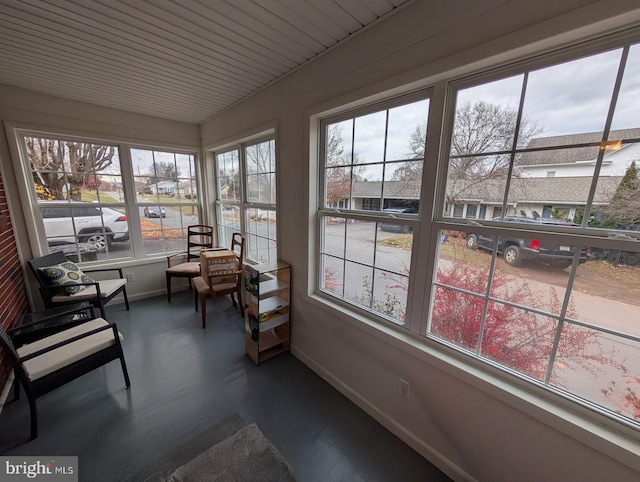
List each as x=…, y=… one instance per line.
x=340, y=171
x=260, y=165
x=482, y=132
x=61, y=167
x=167, y=171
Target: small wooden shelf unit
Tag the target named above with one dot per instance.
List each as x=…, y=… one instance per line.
x=267, y=296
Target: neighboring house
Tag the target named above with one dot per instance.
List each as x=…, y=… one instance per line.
x=167, y=188
x=579, y=161
x=483, y=200
x=526, y=195
x=367, y=194
x=554, y=180
x=187, y=190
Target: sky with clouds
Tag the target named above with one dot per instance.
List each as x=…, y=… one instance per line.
x=568, y=98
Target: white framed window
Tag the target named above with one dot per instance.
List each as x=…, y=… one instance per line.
x=539, y=294
x=540, y=280
x=371, y=159
x=246, y=197
x=166, y=197
x=84, y=193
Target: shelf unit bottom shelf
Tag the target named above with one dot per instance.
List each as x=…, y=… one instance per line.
x=269, y=344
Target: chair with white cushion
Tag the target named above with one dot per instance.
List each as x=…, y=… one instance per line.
x=187, y=264
x=62, y=282
x=50, y=362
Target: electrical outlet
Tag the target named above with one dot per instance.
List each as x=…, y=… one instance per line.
x=130, y=277
x=403, y=388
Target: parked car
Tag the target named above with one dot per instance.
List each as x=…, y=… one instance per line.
x=98, y=227
x=76, y=252
x=155, y=212
x=517, y=250
x=397, y=228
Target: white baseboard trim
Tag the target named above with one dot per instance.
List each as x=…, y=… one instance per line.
x=423, y=448
x=5, y=391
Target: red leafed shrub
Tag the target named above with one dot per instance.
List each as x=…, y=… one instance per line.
x=514, y=337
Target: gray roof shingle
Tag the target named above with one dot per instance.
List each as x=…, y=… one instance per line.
x=564, y=155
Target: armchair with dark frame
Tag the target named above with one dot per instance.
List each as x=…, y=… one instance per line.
x=49, y=362
x=98, y=293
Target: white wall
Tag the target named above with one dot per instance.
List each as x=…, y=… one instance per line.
x=471, y=423
x=28, y=109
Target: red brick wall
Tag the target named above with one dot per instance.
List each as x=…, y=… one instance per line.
x=13, y=295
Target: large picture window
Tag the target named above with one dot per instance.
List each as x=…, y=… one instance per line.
x=546, y=287
x=85, y=193
x=246, y=198
x=535, y=274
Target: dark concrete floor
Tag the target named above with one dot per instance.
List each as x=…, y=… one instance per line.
x=186, y=380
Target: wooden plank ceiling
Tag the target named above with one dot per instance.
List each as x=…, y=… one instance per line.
x=185, y=60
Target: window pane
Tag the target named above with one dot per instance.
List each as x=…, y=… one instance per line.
x=260, y=235
x=334, y=236
x=228, y=223
x=261, y=163
x=332, y=275
x=228, y=175
x=407, y=131
x=369, y=136
x=570, y=98
x=456, y=317
x=339, y=144
x=485, y=121
x=460, y=264
x=518, y=339
x=626, y=108
x=599, y=367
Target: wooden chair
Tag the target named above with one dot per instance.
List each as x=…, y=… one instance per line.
x=199, y=237
x=98, y=293
x=211, y=287
x=52, y=361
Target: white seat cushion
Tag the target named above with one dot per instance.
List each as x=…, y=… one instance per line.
x=60, y=357
x=192, y=267
x=107, y=288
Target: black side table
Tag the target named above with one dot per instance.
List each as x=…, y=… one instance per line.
x=34, y=326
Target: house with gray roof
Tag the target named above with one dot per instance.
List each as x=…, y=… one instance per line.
x=484, y=199
x=552, y=177
x=576, y=154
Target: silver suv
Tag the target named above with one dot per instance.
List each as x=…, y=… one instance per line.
x=98, y=227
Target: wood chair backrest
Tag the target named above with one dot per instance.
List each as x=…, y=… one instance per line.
x=199, y=237
x=237, y=246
